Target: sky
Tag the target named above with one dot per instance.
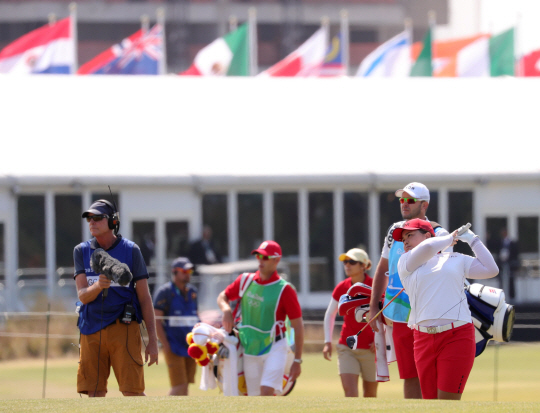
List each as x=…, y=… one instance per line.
x=469, y=17
x=503, y=14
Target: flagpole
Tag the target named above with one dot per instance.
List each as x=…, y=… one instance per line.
x=408, y=25
x=325, y=25
x=252, y=38
x=145, y=23
x=160, y=17
x=432, y=21
x=74, y=35
x=345, y=47
x=233, y=23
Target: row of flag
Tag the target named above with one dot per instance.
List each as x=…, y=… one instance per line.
x=52, y=49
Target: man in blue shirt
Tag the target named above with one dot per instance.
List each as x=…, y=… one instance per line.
x=110, y=313
x=176, y=302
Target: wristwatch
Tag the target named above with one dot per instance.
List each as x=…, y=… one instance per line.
x=299, y=361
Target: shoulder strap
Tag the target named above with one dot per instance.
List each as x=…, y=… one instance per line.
x=245, y=281
x=389, y=240
x=435, y=224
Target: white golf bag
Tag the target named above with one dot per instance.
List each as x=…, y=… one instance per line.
x=492, y=317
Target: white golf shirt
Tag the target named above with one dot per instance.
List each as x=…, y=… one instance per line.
x=434, y=281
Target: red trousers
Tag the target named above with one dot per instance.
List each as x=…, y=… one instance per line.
x=444, y=360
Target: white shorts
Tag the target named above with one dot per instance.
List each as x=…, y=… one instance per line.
x=266, y=370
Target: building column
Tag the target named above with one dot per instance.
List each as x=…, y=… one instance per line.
x=303, y=240
x=268, y=214
x=12, y=255
x=374, y=224
x=443, y=208
x=161, y=253
x=232, y=217
x=339, y=243
x=50, y=243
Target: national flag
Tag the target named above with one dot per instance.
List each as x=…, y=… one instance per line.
x=476, y=56
x=48, y=49
x=139, y=54
x=450, y=57
x=390, y=59
x=333, y=61
x=530, y=64
x=305, y=61
x=423, y=66
x=226, y=56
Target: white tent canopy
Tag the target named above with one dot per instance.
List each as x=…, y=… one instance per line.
x=171, y=126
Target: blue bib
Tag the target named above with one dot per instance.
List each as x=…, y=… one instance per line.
x=100, y=313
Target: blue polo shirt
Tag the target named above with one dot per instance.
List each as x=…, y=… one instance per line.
x=182, y=312
x=100, y=313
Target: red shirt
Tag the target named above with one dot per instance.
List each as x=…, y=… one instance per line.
x=288, y=304
x=350, y=325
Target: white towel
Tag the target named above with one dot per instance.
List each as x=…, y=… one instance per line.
x=383, y=373
x=230, y=367
x=208, y=380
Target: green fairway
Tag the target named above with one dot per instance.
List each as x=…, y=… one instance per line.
x=318, y=389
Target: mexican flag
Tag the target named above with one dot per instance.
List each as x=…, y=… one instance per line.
x=226, y=56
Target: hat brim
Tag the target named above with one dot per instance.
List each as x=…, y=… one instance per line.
x=263, y=252
x=343, y=257
x=92, y=211
x=397, y=234
x=185, y=267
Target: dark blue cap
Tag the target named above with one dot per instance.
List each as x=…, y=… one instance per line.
x=183, y=263
x=99, y=208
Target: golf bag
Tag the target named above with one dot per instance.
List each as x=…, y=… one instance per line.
x=492, y=317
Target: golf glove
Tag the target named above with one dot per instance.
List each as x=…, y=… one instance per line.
x=467, y=237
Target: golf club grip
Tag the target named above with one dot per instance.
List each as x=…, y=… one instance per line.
x=463, y=229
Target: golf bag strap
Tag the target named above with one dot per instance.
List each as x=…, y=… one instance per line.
x=245, y=282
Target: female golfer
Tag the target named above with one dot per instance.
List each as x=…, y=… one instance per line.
x=352, y=363
x=444, y=343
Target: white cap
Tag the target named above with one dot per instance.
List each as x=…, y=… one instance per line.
x=415, y=190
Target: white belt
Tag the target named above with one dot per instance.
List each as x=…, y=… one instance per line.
x=440, y=329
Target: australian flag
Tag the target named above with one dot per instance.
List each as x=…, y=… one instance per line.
x=333, y=61
x=139, y=54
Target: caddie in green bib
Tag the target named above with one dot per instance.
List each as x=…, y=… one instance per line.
x=258, y=308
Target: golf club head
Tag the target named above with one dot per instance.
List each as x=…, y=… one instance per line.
x=360, y=312
x=352, y=342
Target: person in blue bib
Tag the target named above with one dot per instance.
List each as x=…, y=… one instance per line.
x=176, y=302
x=110, y=314
x=414, y=201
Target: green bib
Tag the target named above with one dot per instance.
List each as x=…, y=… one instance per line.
x=258, y=307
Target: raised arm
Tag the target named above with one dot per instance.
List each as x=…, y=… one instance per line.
x=483, y=266
x=426, y=250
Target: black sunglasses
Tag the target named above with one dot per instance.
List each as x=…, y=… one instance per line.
x=351, y=262
x=96, y=218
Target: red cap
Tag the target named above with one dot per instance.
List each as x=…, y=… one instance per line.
x=268, y=248
x=413, y=224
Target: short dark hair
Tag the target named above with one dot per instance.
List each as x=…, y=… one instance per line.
x=423, y=231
